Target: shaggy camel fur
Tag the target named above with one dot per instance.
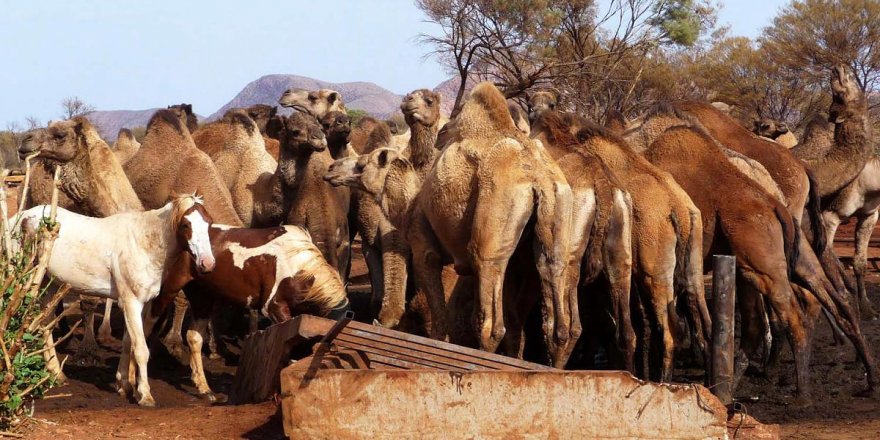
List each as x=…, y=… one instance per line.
x=239, y=154
x=602, y=233
x=125, y=146
x=316, y=103
x=314, y=204
x=169, y=162
x=184, y=112
x=667, y=240
x=359, y=139
x=508, y=179
x=759, y=231
x=852, y=134
x=269, y=123
x=817, y=139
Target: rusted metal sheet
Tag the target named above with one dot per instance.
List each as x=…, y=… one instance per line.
x=344, y=404
x=266, y=352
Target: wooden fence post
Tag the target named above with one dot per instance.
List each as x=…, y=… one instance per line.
x=723, y=317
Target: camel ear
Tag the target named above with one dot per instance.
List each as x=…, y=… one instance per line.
x=273, y=111
x=384, y=158
x=333, y=97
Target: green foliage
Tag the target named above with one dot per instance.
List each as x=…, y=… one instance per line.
x=355, y=115
x=679, y=21
x=23, y=368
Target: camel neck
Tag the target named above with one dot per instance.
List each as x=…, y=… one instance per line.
x=401, y=187
x=853, y=136
x=421, y=144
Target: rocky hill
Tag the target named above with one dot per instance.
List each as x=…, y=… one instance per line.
x=365, y=96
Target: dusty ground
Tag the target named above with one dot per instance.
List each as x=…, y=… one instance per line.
x=88, y=408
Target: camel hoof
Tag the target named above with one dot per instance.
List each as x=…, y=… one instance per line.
x=209, y=396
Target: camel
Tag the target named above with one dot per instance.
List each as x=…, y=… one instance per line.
x=185, y=113
x=359, y=138
x=238, y=151
x=775, y=131
x=316, y=103
x=309, y=201
x=125, y=146
x=602, y=231
x=852, y=134
x=666, y=232
x=507, y=179
x=817, y=139
x=738, y=219
x=95, y=184
x=541, y=101
x=169, y=162
x=337, y=128
x=269, y=122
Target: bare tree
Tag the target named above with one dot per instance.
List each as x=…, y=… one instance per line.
x=32, y=122
x=75, y=106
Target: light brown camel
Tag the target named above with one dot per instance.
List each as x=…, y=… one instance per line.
x=314, y=204
x=541, y=101
x=185, y=113
x=602, y=232
x=853, y=144
x=269, y=122
x=817, y=139
x=95, y=184
x=316, y=103
x=756, y=228
x=667, y=238
x=506, y=179
x=125, y=146
x=238, y=151
x=359, y=138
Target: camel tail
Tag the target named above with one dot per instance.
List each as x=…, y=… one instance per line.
x=791, y=236
x=814, y=211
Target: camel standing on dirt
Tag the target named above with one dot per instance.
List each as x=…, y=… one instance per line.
x=508, y=179
x=667, y=239
x=602, y=233
x=238, y=151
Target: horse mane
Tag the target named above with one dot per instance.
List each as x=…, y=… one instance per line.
x=180, y=204
x=327, y=290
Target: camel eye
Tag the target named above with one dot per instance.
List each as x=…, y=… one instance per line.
x=429, y=101
x=552, y=105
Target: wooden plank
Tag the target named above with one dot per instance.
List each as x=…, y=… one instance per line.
x=723, y=316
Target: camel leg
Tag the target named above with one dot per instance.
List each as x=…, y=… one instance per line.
x=777, y=290
x=756, y=337
x=428, y=269
x=809, y=271
x=864, y=229
x=373, y=258
x=87, y=353
x=105, y=335
x=617, y=257
x=124, y=378
x=395, y=254
x=173, y=341
x=834, y=269
x=662, y=304
x=695, y=293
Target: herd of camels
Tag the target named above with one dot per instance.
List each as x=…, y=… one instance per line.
x=530, y=232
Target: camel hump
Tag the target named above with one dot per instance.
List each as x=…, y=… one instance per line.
x=485, y=111
x=239, y=117
x=165, y=117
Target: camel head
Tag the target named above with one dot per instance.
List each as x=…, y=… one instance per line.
x=32, y=142
x=65, y=140
x=396, y=127
x=769, y=128
x=316, y=103
x=421, y=106
x=847, y=98
x=541, y=101
x=184, y=112
x=366, y=172
x=262, y=114
x=302, y=134
x=337, y=127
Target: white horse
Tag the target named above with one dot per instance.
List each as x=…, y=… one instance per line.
x=124, y=257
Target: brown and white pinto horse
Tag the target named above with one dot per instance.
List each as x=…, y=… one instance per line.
x=124, y=257
x=278, y=271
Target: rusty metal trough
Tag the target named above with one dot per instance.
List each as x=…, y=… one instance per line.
x=345, y=379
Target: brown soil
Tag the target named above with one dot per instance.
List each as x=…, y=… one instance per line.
x=88, y=408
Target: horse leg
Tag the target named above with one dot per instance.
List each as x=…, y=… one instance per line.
x=864, y=229
x=134, y=326
x=194, y=337
x=173, y=340
x=105, y=335
x=87, y=353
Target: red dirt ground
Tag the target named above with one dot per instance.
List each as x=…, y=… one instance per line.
x=88, y=408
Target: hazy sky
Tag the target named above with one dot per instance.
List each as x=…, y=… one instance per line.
x=136, y=55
